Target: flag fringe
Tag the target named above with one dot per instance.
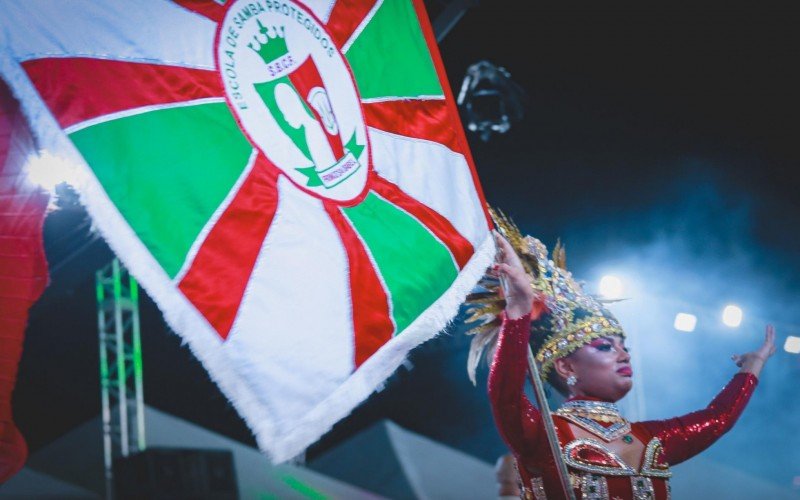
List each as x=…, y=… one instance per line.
x=382, y=364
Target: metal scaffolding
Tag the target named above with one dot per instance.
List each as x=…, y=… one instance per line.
x=120, y=366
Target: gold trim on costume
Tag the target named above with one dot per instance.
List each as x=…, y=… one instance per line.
x=642, y=488
x=594, y=487
x=573, y=317
x=588, y=415
x=573, y=459
x=650, y=466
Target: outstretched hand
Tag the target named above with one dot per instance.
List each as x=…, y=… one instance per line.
x=753, y=362
x=517, y=288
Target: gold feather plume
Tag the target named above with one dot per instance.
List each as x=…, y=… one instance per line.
x=486, y=302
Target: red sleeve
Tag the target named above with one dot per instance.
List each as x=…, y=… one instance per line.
x=517, y=420
x=686, y=436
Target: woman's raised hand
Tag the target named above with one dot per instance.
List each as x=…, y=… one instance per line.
x=753, y=362
x=516, y=283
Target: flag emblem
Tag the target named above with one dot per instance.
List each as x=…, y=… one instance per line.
x=294, y=96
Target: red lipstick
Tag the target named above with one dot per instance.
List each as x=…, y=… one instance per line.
x=625, y=371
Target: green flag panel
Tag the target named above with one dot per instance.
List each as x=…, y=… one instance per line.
x=415, y=266
x=167, y=171
x=390, y=57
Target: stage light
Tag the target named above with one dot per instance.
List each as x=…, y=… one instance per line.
x=48, y=171
x=490, y=99
x=685, y=322
x=732, y=316
x=792, y=344
x=611, y=287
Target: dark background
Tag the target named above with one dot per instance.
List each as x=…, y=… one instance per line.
x=661, y=142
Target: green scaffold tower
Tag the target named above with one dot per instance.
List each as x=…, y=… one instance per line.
x=120, y=366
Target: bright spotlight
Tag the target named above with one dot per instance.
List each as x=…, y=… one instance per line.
x=48, y=171
x=732, y=316
x=685, y=322
x=611, y=287
x=792, y=344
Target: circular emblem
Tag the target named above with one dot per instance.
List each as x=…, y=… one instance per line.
x=294, y=96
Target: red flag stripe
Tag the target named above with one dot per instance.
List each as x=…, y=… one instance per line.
x=206, y=8
x=430, y=38
x=459, y=246
x=372, y=322
x=305, y=78
x=345, y=17
x=417, y=118
x=16, y=245
x=81, y=88
x=21, y=223
x=23, y=268
x=12, y=265
x=217, y=278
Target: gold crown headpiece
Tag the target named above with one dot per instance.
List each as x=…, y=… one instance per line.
x=572, y=317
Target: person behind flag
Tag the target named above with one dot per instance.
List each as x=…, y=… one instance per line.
x=505, y=472
x=580, y=350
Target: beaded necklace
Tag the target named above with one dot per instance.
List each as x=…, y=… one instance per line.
x=594, y=416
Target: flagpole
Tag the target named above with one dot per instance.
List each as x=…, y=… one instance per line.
x=549, y=426
x=547, y=418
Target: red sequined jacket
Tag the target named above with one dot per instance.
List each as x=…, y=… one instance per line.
x=595, y=471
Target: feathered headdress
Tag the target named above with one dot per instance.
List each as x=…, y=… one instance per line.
x=572, y=317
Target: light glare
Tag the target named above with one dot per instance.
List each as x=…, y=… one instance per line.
x=792, y=344
x=611, y=287
x=48, y=171
x=685, y=322
x=732, y=316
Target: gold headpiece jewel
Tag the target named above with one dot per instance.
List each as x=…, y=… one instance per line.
x=572, y=317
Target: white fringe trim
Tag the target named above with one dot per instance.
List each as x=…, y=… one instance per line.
x=383, y=363
x=203, y=341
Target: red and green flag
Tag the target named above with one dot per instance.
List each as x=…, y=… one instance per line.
x=288, y=180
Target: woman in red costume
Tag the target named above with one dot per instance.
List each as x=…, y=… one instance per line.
x=580, y=349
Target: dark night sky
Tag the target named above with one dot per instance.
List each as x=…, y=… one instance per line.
x=622, y=103
x=640, y=123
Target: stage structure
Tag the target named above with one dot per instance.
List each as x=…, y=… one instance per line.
x=120, y=366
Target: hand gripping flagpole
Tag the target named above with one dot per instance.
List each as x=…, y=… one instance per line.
x=547, y=419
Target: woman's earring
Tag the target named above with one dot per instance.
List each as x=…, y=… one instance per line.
x=572, y=380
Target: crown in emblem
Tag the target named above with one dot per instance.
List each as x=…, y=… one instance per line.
x=269, y=44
